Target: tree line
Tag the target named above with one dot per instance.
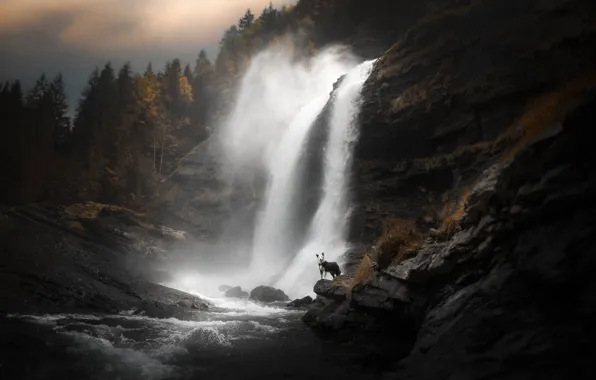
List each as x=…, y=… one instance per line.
x=130, y=129
x=128, y=132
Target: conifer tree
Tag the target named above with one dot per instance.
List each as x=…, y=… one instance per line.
x=246, y=21
x=188, y=73
x=59, y=111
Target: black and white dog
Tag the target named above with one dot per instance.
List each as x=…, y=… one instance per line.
x=325, y=266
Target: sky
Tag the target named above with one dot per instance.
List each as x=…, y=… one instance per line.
x=74, y=36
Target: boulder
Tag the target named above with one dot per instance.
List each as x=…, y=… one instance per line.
x=223, y=288
x=330, y=290
x=268, y=294
x=416, y=269
x=236, y=292
x=383, y=292
x=301, y=302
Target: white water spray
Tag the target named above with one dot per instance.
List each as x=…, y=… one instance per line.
x=328, y=230
x=267, y=132
x=278, y=102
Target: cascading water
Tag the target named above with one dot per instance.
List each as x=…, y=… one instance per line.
x=267, y=132
x=278, y=102
x=327, y=232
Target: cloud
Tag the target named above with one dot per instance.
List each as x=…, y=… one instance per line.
x=113, y=25
x=74, y=36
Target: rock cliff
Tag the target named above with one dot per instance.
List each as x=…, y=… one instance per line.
x=487, y=106
x=441, y=100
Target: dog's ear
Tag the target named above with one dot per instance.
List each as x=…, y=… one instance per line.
x=323, y=255
x=317, y=255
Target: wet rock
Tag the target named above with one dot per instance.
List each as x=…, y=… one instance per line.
x=301, y=302
x=236, y=292
x=382, y=292
x=330, y=290
x=416, y=269
x=330, y=316
x=480, y=196
x=268, y=294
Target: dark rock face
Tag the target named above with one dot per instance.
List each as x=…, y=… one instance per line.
x=301, y=302
x=524, y=292
x=53, y=261
x=515, y=285
x=383, y=292
x=459, y=78
x=199, y=187
x=236, y=292
x=268, y=294
x=330, y=290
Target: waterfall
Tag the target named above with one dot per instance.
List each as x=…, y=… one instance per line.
x=328, y=229
x=268, y=132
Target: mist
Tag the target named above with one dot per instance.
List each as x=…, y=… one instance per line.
x=267, y=133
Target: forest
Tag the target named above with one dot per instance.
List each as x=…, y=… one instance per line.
x=129, y=129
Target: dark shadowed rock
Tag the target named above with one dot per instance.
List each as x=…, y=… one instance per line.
x=383, y=292
x=416, y=269
x=236, y=292
x=478, y=199
x=301, y=302
x=268, y=294
x=330, y=289
x=67, y=268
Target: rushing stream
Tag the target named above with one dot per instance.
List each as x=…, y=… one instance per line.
x=129, y=346
x=236, y=339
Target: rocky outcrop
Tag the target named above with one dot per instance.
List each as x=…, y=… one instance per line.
x=440, y=103
x=330, y=290
x=199, y=187
x=236, y=292
x=301, y=302
x=268, y=294
x=514, y=285
x=85, y=258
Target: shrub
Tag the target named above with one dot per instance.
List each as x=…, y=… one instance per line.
x=401, y=238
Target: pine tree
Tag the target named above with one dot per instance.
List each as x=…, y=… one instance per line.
x=229, y=35
x=188, y=73
x=267, y=18
x=38, y=140
x=246, y=21
x=61, y=121
x=36, y=96
x=202, y=88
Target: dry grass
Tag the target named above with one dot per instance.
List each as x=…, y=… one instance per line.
x=539, y=115
x=91, y=210
x=400, y=239
x=452, y=214
x=363, y=272
x=546, y=110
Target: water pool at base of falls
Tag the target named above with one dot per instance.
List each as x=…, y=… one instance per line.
x=235, y=339
x=235, y=335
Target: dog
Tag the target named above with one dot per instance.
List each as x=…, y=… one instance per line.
x=327, y=267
